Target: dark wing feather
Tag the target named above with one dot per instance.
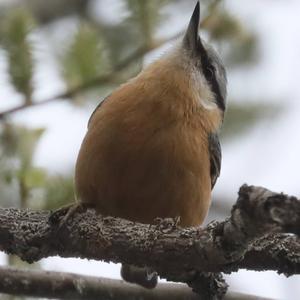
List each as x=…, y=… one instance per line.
x=97, y=107
x=215, y=157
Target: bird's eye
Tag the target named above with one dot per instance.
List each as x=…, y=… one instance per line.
x=211, y=71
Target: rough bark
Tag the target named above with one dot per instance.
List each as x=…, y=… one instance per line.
x=244, y=240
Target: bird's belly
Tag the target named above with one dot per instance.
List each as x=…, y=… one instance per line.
x=164, y=176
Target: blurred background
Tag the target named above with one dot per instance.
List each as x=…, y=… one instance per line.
x=60, y=58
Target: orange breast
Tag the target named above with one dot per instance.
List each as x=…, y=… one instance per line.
x=146, y=156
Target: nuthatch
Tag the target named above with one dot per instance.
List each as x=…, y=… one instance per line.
x=152, y=148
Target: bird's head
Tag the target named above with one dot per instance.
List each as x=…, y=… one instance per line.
x=202, y=64
x=205, y=60
x=190, y=70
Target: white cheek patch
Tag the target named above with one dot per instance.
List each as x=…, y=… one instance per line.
x=202, y=91
x=208, y=104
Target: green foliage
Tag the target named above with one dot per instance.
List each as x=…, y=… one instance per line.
x=84, y=58
x=17, y=150
x=16, y=27
x=120, y=41
x=20, y=142
x=30, y=184
x=34, y=177
x=58, y=191
x=223, y=26
x=145, y=17
x=242, y=117
x=226, y=28
x=244, y=51
x=136, y=31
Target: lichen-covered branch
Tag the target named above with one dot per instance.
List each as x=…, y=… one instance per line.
x=279, y=252
x=177, y=254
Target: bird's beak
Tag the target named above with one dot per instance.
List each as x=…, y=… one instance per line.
x=191, y=37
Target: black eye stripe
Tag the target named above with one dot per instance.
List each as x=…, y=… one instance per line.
x=209, y=72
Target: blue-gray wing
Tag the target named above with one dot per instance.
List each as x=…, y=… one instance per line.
x=97, y=107
x=215, y=157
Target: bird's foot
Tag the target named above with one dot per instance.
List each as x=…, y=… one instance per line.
x=144, y=277
x=167, y=224
x=63, y=214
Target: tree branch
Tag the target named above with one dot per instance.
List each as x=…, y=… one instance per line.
x=278, y=252
x=72, y=286
x=177, y=254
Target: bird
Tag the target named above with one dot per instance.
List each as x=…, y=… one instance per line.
x=152, y=147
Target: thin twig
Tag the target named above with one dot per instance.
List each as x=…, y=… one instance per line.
x=72, y=286
x=103, y=79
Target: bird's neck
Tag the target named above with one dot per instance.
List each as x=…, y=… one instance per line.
x=181, y=92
